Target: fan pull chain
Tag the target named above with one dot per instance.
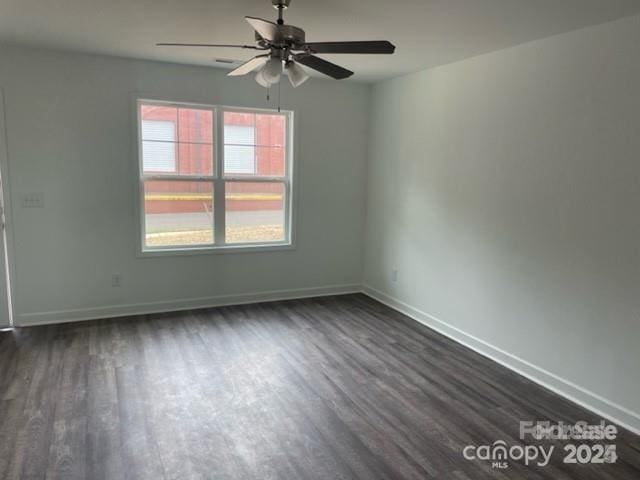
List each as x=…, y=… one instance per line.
x=279, y=83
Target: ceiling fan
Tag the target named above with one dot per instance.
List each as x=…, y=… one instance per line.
x=286, y=48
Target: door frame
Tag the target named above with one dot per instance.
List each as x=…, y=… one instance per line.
x=8, y=270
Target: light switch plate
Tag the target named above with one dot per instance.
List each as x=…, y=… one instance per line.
x=33, y=200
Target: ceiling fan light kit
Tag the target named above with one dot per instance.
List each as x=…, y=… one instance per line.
x=286, y=48
x=272, y=70
x=261, y=80
x=297, y=75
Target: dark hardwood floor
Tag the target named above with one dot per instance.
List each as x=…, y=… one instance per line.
x=329, y=388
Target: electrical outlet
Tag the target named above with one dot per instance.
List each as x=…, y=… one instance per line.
x=33, y=200
x=394, y=276
x=116, y=280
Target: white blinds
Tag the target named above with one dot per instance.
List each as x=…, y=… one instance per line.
x=158, y=146
x=239, y=149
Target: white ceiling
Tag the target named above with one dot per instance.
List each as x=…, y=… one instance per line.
x=426, y=32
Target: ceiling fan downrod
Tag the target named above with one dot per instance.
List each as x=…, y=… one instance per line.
x=281, y=6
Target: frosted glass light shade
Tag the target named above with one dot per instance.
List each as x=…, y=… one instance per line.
x=261, y=80
x=272, y=70
x=297, y=75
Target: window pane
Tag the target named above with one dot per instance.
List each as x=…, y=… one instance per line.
x=158, y=122
x=270, y=130
x=176, y=141
x=245, y=119
x=195, y=125
x=158, y=157
x=254, y=212
x=239, y=160
x=195, y=159
x=178, y=213
x=270, y=161
x=239, y=135
x=254, y=144
x=161, y=130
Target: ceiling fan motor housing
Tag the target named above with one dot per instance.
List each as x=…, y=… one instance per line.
x=288, y=35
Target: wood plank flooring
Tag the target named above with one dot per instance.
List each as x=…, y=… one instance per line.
x=329, y=388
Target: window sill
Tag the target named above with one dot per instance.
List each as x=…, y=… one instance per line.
x=211, y=250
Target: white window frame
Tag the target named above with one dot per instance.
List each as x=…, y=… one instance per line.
x=218, y=180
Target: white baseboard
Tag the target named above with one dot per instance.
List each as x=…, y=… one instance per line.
x=577, y=394
x=63, y=316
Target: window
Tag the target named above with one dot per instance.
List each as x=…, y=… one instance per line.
x=213, y=177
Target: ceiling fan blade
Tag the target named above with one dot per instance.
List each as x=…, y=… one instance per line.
x=322, y=66
x=250, y=66
x=266, y=29
x=373, y=47
x=206, y=45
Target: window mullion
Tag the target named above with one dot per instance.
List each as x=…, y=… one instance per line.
x=218, y=183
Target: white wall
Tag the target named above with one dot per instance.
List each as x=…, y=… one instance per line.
x=70, y=136
x=505, y=190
